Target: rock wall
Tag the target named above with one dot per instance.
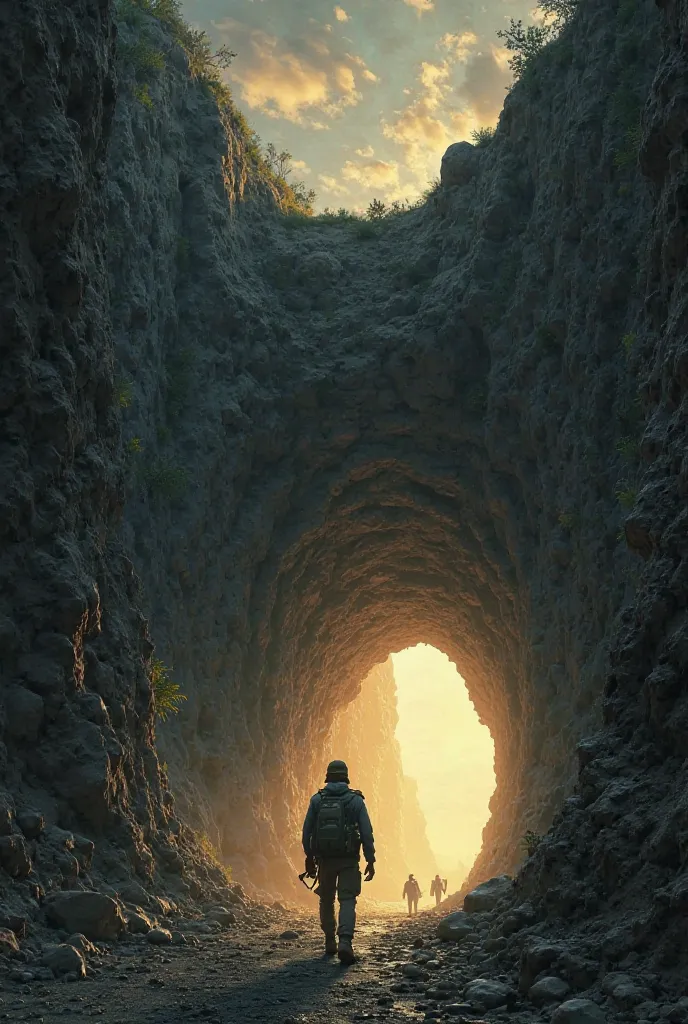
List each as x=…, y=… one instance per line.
x=82, y=800
x=353, y=445
x=362, y=734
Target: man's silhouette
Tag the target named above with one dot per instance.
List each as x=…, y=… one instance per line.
x=335, y=828
x=411, y=893
x=438, y=887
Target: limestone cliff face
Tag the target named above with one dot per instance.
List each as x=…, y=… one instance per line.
x=82, y=800
x=469, y=431
x=362, y=734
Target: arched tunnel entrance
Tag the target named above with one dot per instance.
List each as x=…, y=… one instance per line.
x=370, y=551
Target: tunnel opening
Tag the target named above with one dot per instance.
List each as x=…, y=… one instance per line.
x=449, y=753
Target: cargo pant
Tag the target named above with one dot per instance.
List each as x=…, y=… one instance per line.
x=340, y=875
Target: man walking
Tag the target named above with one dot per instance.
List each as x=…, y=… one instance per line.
x=411, y=893
x=438, y=887
x=335, y=828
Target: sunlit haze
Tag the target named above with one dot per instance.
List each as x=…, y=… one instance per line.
x=448, y=752
x=366, y=94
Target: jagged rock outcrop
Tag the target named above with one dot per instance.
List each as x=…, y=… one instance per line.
x=468, y=430
x=363, y=735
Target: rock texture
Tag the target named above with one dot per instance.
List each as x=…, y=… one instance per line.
x=468, y=430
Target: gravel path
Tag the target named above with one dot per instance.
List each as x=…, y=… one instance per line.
x=250, y=973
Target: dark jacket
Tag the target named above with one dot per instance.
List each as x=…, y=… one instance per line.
x=358, y=813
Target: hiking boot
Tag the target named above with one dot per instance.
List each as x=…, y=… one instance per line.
x=345, y=951
x=330, y=945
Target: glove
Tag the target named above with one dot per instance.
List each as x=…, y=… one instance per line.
x=311, y=866
x=369, y=872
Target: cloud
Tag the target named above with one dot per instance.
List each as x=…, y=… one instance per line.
x=459, y=44
x=422, y=6
x=332, y=185
x=367, y=151
x=340, y=14
x=301, y=166
x=298, y=79
x=372, y=173
x=484, y=87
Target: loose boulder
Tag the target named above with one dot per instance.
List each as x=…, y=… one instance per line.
x=8, y=942
x=487, y=994
x=14, y=856
x=548, y=990
x=31, y=823
x=460, y=164
x=64, y=959
x=455, y=927
x=137, y=922
x=94, y=914
x=226, y=917
x=159, y=937
x=486, y=896
x=578, y=1011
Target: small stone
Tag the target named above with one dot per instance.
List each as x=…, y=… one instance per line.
x=138, y=923
x=455, y=927
x=222, y=916
x=487, y=994
x=578, y=1011
x=31, y=823
x=14, y=856
x=626, y=995
x=414, y=972
x=548, y=990
x=178, y=939
x=289, y=935
x=81, y=943
x=64, y=959
x=458, y=1009
x=159, y=936
x=8, y=942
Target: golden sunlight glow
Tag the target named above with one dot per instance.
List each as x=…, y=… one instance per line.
x=449, y=754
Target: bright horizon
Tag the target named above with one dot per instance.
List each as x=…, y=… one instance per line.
x=447, y=751
x=366, y=94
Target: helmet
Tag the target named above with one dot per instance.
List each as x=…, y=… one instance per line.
x=337, y=771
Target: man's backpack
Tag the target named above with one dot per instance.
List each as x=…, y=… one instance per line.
x=335, y=833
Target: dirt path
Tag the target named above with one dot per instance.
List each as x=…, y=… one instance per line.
x=250, y=973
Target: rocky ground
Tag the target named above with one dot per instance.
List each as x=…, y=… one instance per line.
x=266, y=964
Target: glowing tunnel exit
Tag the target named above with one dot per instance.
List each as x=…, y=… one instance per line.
x=448, y=752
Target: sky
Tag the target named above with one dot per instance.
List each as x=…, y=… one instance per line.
x=365, y=94
x=447, y=751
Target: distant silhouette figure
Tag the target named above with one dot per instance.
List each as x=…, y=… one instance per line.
x=412, y=894
x=438, y=887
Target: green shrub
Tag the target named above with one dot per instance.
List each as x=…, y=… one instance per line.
x=531, y=840
x=628, y=341
x=626, y=496
x=569, y=520
x=134, y=446
x=628, y=447
x=124, y=392
x=526, y=43
x=167, y=695
x=142, y=94
x=144, y=58
x=483, y=136
x=167, y=480
x=293, y=220
x=365, y=230
x=376, y=210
